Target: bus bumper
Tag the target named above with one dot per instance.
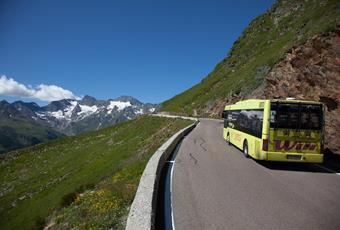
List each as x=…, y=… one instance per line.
x=295, y=157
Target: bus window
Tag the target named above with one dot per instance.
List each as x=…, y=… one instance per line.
x=311, y=117
x=295, y=116
x=248, y=121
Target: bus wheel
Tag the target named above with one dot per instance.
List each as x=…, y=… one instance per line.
x=228, y=139
x=245, y=149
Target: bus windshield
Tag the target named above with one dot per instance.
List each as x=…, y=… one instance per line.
x=296, y=116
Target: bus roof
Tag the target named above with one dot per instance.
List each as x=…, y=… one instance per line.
x=259, y=103
x=295, y=101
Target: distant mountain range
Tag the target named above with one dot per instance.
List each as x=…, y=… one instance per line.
x=24, y=124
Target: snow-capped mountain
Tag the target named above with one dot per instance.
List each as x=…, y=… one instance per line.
x=70, y=116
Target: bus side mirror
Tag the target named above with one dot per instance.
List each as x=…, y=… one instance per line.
x=224, y=113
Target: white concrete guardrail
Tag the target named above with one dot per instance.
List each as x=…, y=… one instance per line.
x=142, y=211
x=173, y=116
x=184, y=117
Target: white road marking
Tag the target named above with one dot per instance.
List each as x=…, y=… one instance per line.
x=327, y=169
x=172, y=210
x=170, y=162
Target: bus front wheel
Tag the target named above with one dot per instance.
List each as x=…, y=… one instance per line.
x=245, y=149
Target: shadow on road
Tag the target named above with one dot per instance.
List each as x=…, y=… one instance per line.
x=331, y=165
x=292, y=166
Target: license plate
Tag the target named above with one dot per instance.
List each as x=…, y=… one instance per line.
x=294, y=157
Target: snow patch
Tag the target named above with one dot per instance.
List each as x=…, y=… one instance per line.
x=41, y=115
x=57, y=114
x=87, y=110
x=139, y=111
x=68, y=111
x=60, y=114
x=120, y=105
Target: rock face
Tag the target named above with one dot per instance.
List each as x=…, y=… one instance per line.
x=308, y=72
x=311, y=72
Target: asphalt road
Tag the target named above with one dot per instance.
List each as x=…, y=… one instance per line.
x=215, y=187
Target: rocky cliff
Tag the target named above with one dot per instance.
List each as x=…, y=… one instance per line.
x=308, y=72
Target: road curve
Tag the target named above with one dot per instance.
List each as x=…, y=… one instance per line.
x=215, y=187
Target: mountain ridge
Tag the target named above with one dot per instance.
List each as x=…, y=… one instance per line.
x=65, y=117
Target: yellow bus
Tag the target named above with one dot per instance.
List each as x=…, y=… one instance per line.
x=276, y=130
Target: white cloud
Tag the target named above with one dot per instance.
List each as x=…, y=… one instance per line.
x=52, y=93
x=10, y=87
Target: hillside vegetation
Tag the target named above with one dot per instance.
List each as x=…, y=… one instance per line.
x=86, y=181
x=263, y=44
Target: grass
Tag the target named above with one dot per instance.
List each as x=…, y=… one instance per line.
x=88, y=179
x=262, y=44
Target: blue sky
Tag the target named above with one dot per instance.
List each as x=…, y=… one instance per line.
x=151, y=50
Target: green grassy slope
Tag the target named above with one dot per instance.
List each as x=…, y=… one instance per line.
x=262, y=44
x=37, y=181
